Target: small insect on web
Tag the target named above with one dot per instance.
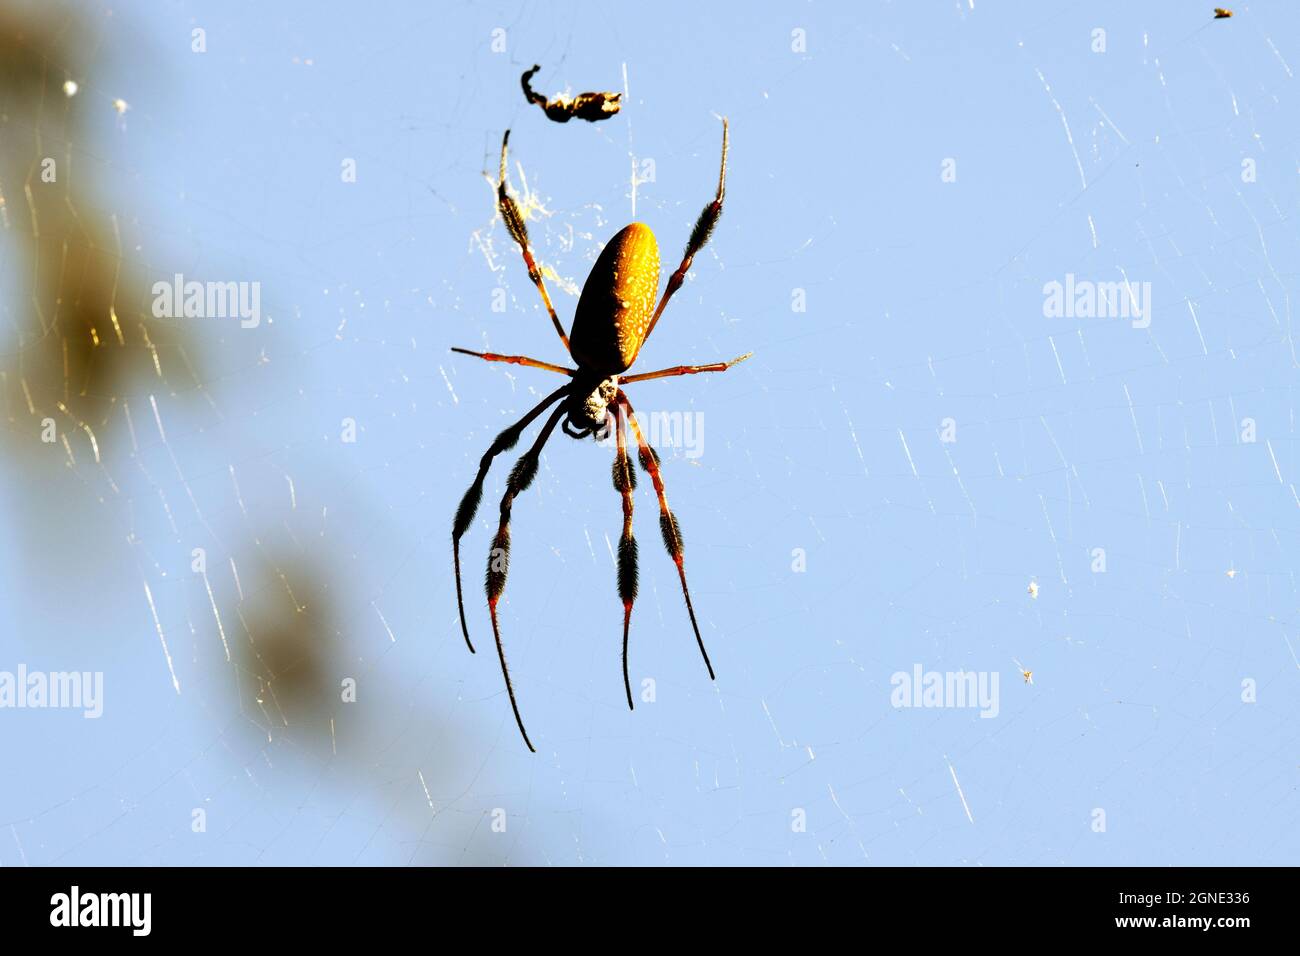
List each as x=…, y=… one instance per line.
x=615, y=315
x=591, y=107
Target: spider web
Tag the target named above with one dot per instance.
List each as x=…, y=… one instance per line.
x=913, y=444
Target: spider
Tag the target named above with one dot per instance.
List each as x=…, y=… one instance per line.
x=613, y=319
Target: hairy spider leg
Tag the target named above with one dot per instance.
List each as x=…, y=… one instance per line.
x=681, y=369
x=672, y=532
x=699, y=236
x=498, y=566
x=625, y=483
x=514, y=220
x=520, y=360
x=474, y=494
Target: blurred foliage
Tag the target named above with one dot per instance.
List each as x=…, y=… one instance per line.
x=82, y=338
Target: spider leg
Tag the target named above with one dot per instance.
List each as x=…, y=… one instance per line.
x=515, y=360
x=513, y=217
x=699, y=236
x=624, y=483
x=681, y=369
x=521, y=476
x=668, y=525
x=474, y=494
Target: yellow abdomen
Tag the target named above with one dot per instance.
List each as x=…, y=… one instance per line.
x=617, y=302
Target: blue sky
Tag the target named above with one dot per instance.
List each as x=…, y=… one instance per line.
x=912, y=444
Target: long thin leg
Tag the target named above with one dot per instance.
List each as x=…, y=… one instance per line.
x=699, y=236
x=681, y=370
x=474, y=494
x=517, y=360
x=514, y=220
x=672, y=531
x=624, y=483
x=521, y=476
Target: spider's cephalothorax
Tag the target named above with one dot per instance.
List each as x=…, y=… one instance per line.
x=615, y=315
x=587, y=408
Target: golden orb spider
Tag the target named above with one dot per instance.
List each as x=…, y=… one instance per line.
x=613, y=319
